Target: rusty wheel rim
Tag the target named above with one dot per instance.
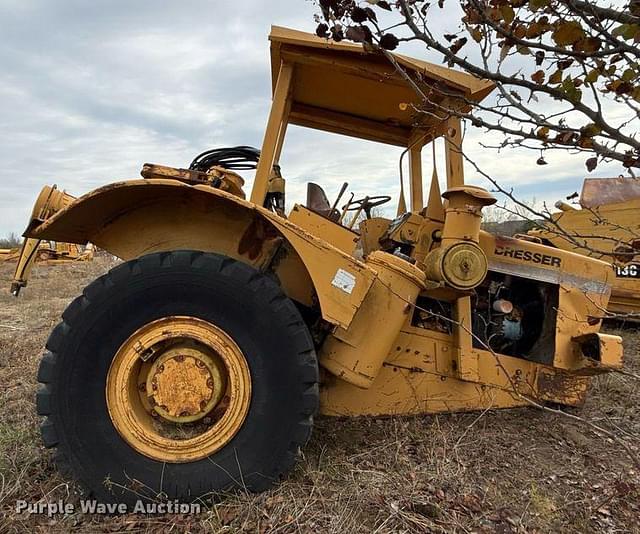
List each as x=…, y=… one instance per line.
x=178, y=389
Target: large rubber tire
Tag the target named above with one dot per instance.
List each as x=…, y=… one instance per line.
x=248, y=306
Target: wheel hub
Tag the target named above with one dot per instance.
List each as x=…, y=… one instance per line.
x=179, y=389
x=184, y=385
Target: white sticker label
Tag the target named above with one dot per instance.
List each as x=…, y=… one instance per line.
x=344, y=280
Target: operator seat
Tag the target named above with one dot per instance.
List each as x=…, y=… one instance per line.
x=318, y=202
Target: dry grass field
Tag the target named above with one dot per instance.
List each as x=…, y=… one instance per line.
x=521, y=470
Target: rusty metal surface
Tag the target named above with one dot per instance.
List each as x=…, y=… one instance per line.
x=252, y=241
x=562, y=387
x=224, y=179
x=144, y=394
x=602, y=191
x=185, y=384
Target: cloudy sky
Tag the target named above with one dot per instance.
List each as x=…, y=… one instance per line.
x=91, y=90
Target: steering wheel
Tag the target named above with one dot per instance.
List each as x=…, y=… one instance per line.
x=367, y=203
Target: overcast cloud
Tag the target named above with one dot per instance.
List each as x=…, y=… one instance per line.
x=91, y=90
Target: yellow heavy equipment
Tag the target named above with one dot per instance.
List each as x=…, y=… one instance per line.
x=9, y=254
x=198, y=363
x=606, y=225
x=47, y=252
x=54, y=253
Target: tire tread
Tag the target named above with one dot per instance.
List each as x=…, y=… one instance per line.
x=269, y=291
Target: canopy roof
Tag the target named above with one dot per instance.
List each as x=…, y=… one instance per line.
x=342, y=88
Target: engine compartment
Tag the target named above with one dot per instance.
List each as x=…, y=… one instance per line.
x=511, y=315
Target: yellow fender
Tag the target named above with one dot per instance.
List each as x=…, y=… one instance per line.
x=133, y=218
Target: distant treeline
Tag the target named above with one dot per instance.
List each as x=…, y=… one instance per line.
x=10, y=241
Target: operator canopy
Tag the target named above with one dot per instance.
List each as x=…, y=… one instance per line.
x=342, y=88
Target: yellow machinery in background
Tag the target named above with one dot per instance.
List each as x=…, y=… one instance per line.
x=48, y=253
x=606, y=226
x=57, y=253
x=9, y=254
x=198, y=364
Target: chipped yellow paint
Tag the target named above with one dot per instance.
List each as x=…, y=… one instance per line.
x=374, y=361
x=212, y=379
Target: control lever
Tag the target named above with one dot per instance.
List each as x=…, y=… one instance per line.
x=342, y=190
x=345, y=208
